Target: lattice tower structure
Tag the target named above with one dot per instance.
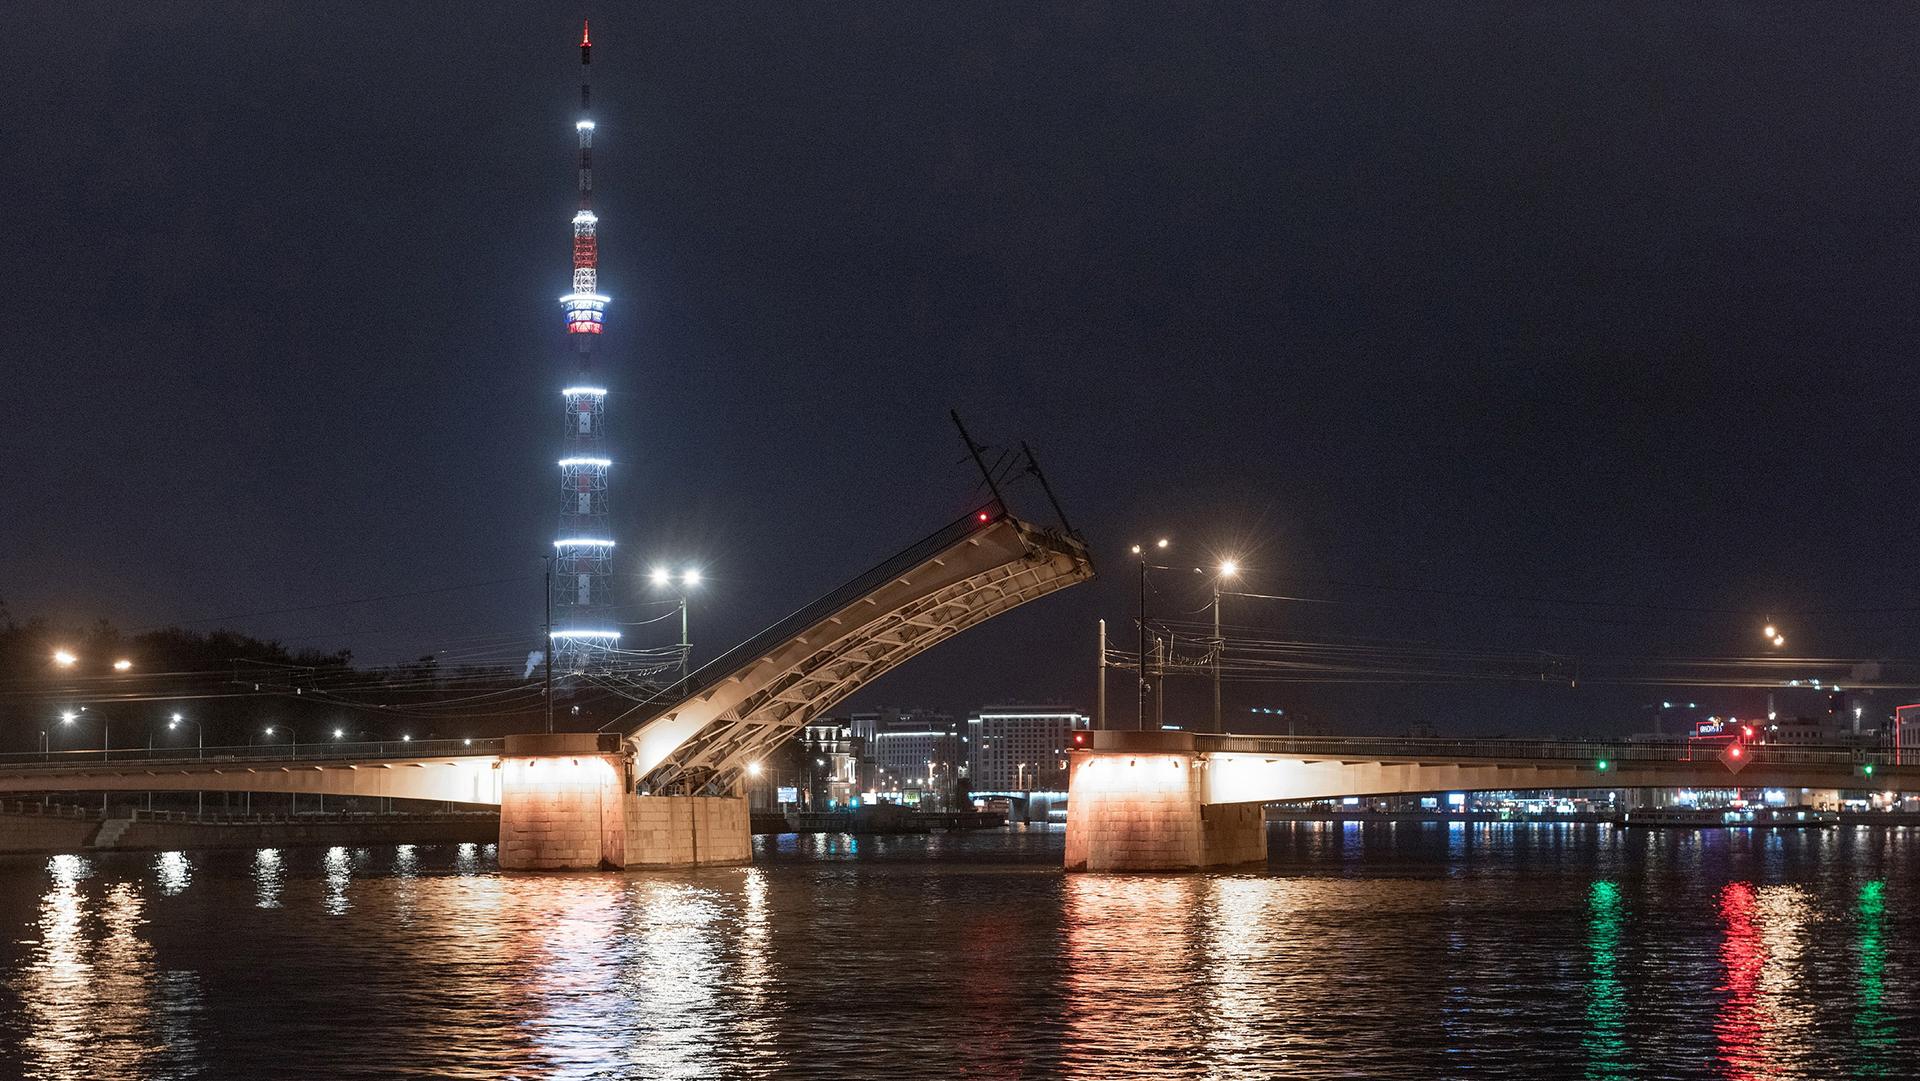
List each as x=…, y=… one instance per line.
x=584, y=633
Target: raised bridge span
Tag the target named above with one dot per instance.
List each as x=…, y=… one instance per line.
x=1166, y=801
x=664, y=787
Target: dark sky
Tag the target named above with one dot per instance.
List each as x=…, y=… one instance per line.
x=1612, y=303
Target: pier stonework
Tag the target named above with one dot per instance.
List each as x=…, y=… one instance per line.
x=565, y=805
x=1141, y=809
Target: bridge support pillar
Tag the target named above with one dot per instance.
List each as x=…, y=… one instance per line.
x=1142, y=811
x=565, y=806
x=562, y=803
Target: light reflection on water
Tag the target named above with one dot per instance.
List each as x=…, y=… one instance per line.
x=1408, y=951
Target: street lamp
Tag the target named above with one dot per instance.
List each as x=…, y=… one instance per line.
x=1229, y=568
x=122, y=665
x=106, y=740
x=64, y=659
x=664, y=578
x=1140, y=554
x=200, y=734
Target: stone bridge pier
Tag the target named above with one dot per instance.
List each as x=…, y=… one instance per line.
x=567, y=804
x=1136, y=802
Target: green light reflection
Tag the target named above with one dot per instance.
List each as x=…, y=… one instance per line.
x=1873, y=1028
x=1604, y=1042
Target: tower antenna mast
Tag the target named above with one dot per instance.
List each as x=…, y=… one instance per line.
x=583, y=551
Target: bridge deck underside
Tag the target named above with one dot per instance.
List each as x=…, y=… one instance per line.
x=459, y=779
x=709, y=738
x=1233, y=778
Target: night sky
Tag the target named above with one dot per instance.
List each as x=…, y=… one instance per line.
x=1602, y=303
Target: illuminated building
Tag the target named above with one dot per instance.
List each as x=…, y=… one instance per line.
x=1022, y=748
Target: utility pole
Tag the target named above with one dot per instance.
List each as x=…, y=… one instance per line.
x=1141, y=702
x=1100, y=693
x=1159, y=685
x=548, y=652
x=1217, y=646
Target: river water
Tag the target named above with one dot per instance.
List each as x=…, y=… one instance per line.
x=1386, y=950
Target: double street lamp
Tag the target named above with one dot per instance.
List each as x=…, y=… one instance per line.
x=686, y=580
x=1225, y=570
x=1140, y=554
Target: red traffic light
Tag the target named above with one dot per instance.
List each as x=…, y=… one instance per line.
x=984, y=516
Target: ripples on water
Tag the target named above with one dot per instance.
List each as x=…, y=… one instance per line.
x=1380, y=951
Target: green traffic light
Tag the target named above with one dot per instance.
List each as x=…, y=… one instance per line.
x=1867, y=769
x=1601, y=765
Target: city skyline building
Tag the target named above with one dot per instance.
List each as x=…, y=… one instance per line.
x=582, y=629
x=1022, y=748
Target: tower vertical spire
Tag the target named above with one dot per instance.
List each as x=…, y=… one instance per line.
x=583, y=551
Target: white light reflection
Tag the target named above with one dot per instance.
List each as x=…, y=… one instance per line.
x=268, y=874
x=1246, y=937
x=58, y=1036
x=1128, y=982
x=756, y=1036
x=173, y=871
x=339, y=870
x=466, y=858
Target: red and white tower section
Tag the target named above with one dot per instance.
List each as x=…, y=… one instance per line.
x=583, y=628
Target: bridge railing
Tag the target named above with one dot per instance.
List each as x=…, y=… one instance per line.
x=276, y=752
x=1561, y=749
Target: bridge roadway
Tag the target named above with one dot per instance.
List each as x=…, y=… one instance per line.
x=461, y=771
x=1179, y=800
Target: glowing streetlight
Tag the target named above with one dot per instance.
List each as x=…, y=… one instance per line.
x=664, y=578
x=1229, y=568
x=64, y=659
x=339, y=733
x=753, y=769
x=122, y=665
x=1140, y=698
x=68, y=717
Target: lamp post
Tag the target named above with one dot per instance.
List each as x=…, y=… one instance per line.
x=293, y=798
x=106, y=740
x=686, y=580
x=1228, y=569
x=200, y=751
x=1140, y=554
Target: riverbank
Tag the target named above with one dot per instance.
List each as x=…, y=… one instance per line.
x=29, y=828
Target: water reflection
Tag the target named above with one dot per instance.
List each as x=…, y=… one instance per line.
x=339, y=871
x=97, y=1007
x=673, y=979
x=173, y=872
x=1737, y=1027
x=57, y=977
x=1873, y=1028
x=756, y=1031
x=1129, y=978
x=1606, y=1000
x=267, y=875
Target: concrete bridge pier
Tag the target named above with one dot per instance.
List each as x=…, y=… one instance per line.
x=566, y=804
x=1134, y=803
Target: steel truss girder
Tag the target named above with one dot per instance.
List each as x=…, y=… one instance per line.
x=707, y=740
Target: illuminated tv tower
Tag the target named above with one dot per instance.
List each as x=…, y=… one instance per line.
x=583, y=631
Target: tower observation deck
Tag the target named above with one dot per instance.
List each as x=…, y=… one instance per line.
x=583, y=630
